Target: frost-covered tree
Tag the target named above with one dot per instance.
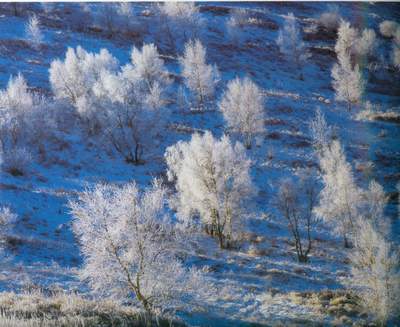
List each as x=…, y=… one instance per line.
x=365, y=44
x=16, y=103
x=212, y=182
x=347, y=82
x=239, y=18
x=148, y=67
x=7, y=220
x=130, y=246
x=347, y=37
x=376, y=272
x=375, y=201
x=33, y=33
x=27, y=121
x=290, y=42
x=331, y=18
x=73, y=79
x=388, y=28
x=340, y=198
x=200, y=78
x=321, y=133
x=130, y=102
x=396, y=49
x=296, y=201
x=181, y=21
x=396, y=56
x=243, y=108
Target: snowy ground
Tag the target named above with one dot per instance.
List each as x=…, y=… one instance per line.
x=44, y=252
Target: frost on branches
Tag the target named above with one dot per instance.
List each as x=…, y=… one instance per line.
x=17, y=124
x=212, y=182
x=321, y=132
x=7, y=220
x=181, y=21
x=200, y=78
x=290, y=42
x=348, y=82
x=129, y=245
x=340, y=198
x=73, y=79
x=243, y=108
x=131, y=101
x=33, y=32
x=376, y=271
x=124, y=103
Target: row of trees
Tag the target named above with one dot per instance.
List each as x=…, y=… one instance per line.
x=128, y=103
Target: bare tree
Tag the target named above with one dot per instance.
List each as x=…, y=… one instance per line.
x=296, y=201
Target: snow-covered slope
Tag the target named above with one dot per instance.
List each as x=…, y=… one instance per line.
x=257, y=277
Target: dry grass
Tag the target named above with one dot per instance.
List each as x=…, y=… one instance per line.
x=66, y=310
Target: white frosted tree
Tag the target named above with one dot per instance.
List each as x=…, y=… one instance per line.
x=375, y=201
x=16, y=103
x=130, y=247
x=388, y=28
x=340, y=198
x=321, y=133
x=33, y=33
x=131, y=102
x=290, y=42
x=346, y=40
x=396, y=49
x=365, y=44
x=200, y=77
x=7, y=220
x=181, y=21
x=73, y=79
x=330, y=19
x=376, y=272
x=239, y=17
x=243, y=109
x=213, y=183
x=147, y=67
x=348, y=82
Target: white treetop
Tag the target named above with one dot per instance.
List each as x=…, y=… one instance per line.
x=33, y=32
x=243, y=108
x=129, y=246
x=340, y=198
x=200, y=78
x=290, y=42
x=74, y=77
x=212, y=181
x=321, y=132
x=375, y=270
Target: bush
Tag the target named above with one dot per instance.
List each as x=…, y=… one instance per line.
x=16, y=161
x=388, y=28
x=330, y=19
